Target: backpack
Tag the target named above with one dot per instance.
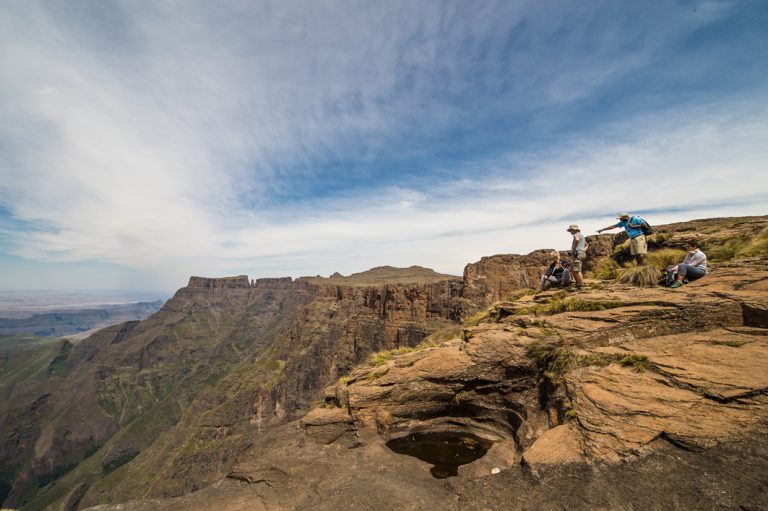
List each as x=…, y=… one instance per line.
x=670, y=277
x=645, y=226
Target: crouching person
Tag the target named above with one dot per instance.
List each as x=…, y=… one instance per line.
x=693, y=267
x=557, y=274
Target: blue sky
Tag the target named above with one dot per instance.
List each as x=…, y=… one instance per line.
x=142, y=142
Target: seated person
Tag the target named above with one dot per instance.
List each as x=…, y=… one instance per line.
x=557, y=274
x=693, y=267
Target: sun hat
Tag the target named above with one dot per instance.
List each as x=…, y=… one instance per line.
x=573, y=227
x=622, y=214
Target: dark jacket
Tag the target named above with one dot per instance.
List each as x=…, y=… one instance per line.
x=557, y=272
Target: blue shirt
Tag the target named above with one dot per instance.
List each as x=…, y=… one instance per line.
x=631, y=231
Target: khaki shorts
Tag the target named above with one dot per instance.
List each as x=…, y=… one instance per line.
x=638, y=245
x=577, y=261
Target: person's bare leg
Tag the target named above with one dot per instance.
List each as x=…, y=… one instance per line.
x=640, y=259
x=579, y=279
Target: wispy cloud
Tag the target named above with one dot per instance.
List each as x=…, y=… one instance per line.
x=304, y=137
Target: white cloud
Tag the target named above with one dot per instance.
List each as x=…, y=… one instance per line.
x=157, y=139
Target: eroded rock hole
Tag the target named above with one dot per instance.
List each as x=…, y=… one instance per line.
x=446, y=451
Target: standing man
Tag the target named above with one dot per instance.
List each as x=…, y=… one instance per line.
x=578, y=254
x=637, y=244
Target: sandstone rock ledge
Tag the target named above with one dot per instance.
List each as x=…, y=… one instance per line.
x=609, y=398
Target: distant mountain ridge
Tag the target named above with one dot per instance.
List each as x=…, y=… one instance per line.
x=386, y=275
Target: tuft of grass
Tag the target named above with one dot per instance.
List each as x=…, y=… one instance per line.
x=609, y=269
x=665, y=257
x=606, y=269
x=571, y=414
x=558, y=305
x=726, y=250
x=621, y=249
x=555, y=361
x=528, y=291
x=380, y=357
x=441, y=335
x=478, y=317
x=374, y=375
x=732, y=344
x=575, y=305
x=737, y=246
x=758, y=246
x=639, y=363
x=642, y=276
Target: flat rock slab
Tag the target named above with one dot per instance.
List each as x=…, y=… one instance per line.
x=719, y=363
x=621, y=412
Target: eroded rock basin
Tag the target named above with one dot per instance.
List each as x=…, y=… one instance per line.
x=446, y=451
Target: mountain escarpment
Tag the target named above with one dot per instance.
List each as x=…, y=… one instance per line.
x=222, y=357
x=218, y=400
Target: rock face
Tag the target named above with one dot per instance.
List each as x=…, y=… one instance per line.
x=495, y=278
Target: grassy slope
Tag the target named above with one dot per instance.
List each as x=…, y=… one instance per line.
x=149, y=402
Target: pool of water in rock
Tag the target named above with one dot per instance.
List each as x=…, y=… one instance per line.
x=446, y=451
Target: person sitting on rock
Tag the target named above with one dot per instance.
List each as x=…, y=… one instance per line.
x=578, y=254
x=693, y=267
x=638, y=246
x=557, y=274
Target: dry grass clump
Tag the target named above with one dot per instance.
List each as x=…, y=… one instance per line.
x=642, y=276
x=727, y=250
x=639, y=363
x=606, y=269
x=528, y=291
x=433, y=341
x=621, y=249
x=380, y=357
x=557, y=305
x=478, y=317
x=740, y=246
x=665, y=257
x=759, y=245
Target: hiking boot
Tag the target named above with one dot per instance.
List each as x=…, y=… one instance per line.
x=676, y=285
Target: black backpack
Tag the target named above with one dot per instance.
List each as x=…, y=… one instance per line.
x=645, y=227
x=670, y=277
